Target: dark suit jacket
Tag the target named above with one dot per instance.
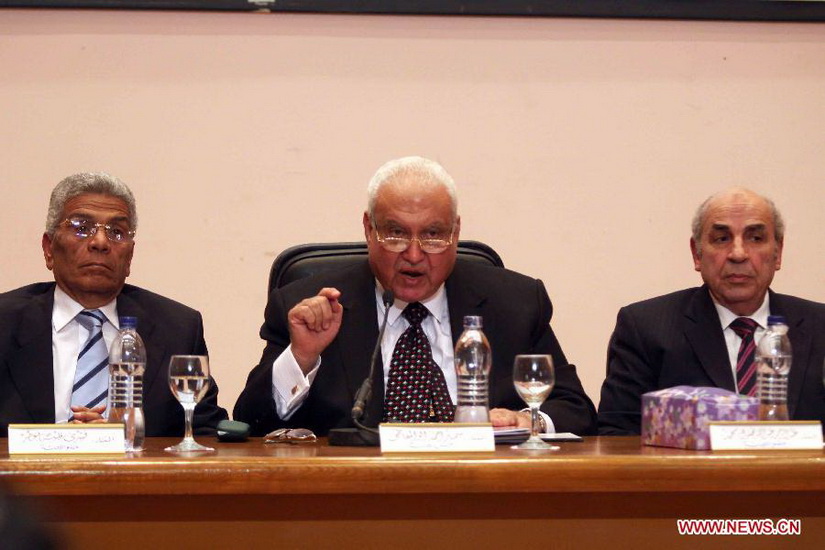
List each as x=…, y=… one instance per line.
x=516, y=312
x=677, y=339
x=26, y=365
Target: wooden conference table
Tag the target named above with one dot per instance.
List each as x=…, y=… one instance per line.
x=604, y=492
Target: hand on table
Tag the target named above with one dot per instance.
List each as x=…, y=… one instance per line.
x=509, y=419
x=85, y=415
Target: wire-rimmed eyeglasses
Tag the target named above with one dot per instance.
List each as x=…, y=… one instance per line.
x=290, y=435
x=83, y=228
x=400, y=242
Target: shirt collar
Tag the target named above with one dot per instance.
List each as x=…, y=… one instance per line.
x=726, y=316
x=66, y=309
x=435, y=304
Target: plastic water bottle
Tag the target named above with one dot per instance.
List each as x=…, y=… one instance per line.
x=473, y=359
x=773, y=357
x=127, y=363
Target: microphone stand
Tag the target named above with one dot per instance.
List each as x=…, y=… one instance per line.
x=361, y=435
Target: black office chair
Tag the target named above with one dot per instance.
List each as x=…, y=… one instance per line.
x=303, y=260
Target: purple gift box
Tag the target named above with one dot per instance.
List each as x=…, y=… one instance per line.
x=679, y=416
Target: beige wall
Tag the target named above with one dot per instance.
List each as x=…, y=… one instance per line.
x=581, y=147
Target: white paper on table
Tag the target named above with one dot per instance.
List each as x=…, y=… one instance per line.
x=66, y=439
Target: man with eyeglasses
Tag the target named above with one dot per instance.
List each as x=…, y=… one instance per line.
x=50, y=331
x=320, y=331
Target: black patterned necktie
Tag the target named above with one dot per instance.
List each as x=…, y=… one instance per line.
x=745, y=327
x=416, y=388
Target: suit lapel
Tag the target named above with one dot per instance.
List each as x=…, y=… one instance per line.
x=463, y=299
x=704, y=334
x=801, y=342
x=32, y=366
x=155, y=349
x=357, y=338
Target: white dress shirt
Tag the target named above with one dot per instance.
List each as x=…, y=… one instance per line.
x=732, y=340
x=290, y=387
x=68, y=336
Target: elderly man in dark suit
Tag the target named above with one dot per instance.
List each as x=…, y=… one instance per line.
x=88, y=245
x=693, y=337
x=320, y=331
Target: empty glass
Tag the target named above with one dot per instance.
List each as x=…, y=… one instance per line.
x=188, y=380
x=533, y=378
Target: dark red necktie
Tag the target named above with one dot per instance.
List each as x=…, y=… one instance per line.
x=745, y=364
x=416, y=388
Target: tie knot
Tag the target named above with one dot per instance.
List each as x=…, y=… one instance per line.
x=90, y=319
x=744, y=326
x=415, y=313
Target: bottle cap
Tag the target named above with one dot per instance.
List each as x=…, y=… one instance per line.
x=127, y=322
x=776, y=320
x=472, y=321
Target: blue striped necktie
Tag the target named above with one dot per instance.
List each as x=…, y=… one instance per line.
x=91, y=379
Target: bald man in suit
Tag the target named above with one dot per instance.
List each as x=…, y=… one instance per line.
x=687, y=337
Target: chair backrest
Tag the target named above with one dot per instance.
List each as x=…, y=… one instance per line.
x=303, y=260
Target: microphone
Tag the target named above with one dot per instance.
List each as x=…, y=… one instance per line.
x=362, y=435
x=365, y=391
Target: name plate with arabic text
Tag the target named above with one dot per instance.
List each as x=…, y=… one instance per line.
x=436, y=438
x=748, y=436
x=66, y=439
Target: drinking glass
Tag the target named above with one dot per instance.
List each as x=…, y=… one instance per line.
x=188, y=380
x=533, y=378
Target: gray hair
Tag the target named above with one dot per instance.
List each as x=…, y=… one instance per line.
x=702, y=212
x=425, y=171
x=87, y=182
